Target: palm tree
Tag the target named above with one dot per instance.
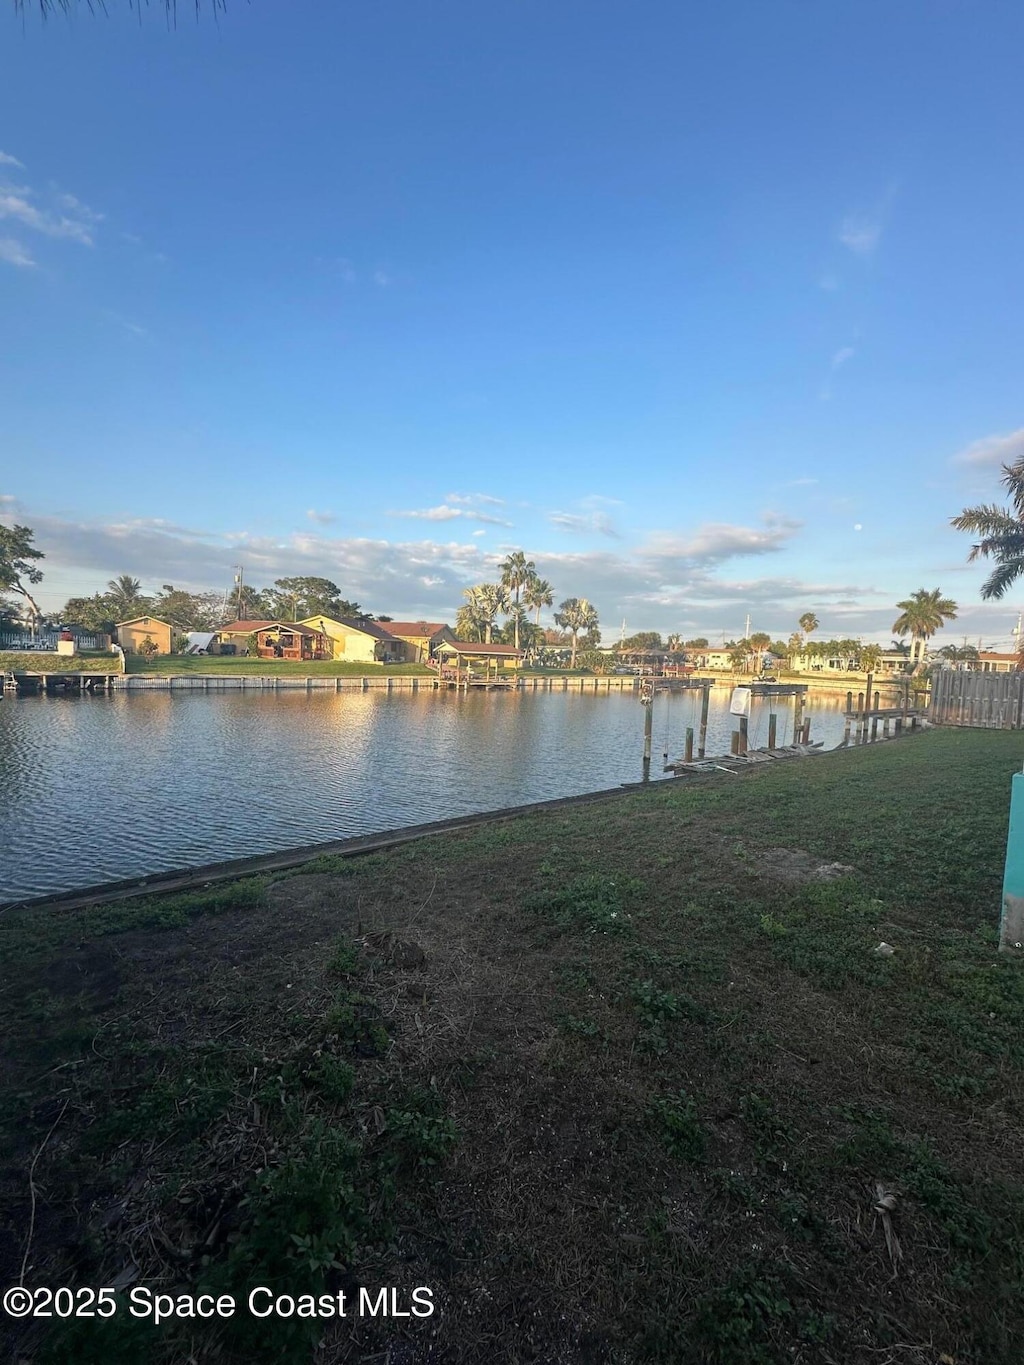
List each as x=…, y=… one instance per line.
x=516, y=572
x=808, y=622
x=870, y=658
x=124, y=594
x=487, y=600
x=538, y=593
x=1001, y=532
x=576, y=614
x=959, y=654
x=921, y=615
x=759, y=642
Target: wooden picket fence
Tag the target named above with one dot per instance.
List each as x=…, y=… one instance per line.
x=985, y=701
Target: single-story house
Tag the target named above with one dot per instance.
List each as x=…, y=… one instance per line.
x=715, y=659
x=418, y=639
x=272, y=640
x=354, y=639
x=460, y=655
x=990, y=661
x=132, y=635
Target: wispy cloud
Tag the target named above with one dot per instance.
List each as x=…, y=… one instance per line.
x=445, y=512
x=587, y=523
x=992, y=450
x=841, y=356
x=381, y=278
x=15, y=204
x=7, y=160
x=14, y=253
x=861, y=235
x=471, y=499
x=321, y=518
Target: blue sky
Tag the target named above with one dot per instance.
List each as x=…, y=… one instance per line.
x=710, y=309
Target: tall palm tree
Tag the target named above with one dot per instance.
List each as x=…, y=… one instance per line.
x=576, y=614
x=1001, y=532
x=516, y=572
x=538, y=593
x=808, y=622
x=921, y=615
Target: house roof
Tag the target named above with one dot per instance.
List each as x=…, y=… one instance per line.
x=416, y=628
x=250, y=627
x=358, y=623
x=470, y=647
x=148, y=620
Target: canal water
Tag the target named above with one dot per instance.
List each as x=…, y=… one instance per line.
x=94, y=789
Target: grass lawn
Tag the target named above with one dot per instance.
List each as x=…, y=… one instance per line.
x=623, y=1082
x=178, y=664
x=47, y=661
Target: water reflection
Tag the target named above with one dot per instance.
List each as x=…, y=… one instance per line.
x=97, y=788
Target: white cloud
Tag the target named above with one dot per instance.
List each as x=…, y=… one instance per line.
x=469, y=499
x=381, y=278
x=481, y=532
x=445, y=512
x=861, y=235
x=992, y=450
x=14, y=253
x=15, y=204
x=841, y=356
x=7, y=160
x=589, y=523
x=717, y=541
x=321, y=518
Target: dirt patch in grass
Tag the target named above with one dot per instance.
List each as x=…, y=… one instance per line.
x=625, y=1082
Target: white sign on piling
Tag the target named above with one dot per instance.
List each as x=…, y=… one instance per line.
x=740, y=703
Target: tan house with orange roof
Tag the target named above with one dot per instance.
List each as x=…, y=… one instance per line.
x=418, y=639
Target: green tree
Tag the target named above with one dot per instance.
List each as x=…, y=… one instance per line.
x=91, y=613
x=808, y=622
x=921, y=615
x=576, y=614
x=698, y=642
x=18, y=557
x=1001, y=532
x=870, y=657
x=538, y=593
x=293, y=599
x=189, y=610
x=516, y=572
x=959, y=654
x=643, y=641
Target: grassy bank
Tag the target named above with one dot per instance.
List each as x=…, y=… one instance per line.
x=625, y=1082
x=46, y=661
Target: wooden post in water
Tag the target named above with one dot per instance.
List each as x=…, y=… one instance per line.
x=798, y=717
x=648, y=728
x=807, y=731
x=688, y=755
x=703, y=738
x=743, y=734
x=734, y=742
x=772, y=719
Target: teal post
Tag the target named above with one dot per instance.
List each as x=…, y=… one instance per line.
x=1011, y=926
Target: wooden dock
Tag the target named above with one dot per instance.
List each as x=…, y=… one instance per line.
x=736, y=763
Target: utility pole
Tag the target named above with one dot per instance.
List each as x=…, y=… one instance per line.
x=238, y=596
x=746, y=632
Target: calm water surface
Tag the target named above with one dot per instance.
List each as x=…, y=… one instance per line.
x=93, y=789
